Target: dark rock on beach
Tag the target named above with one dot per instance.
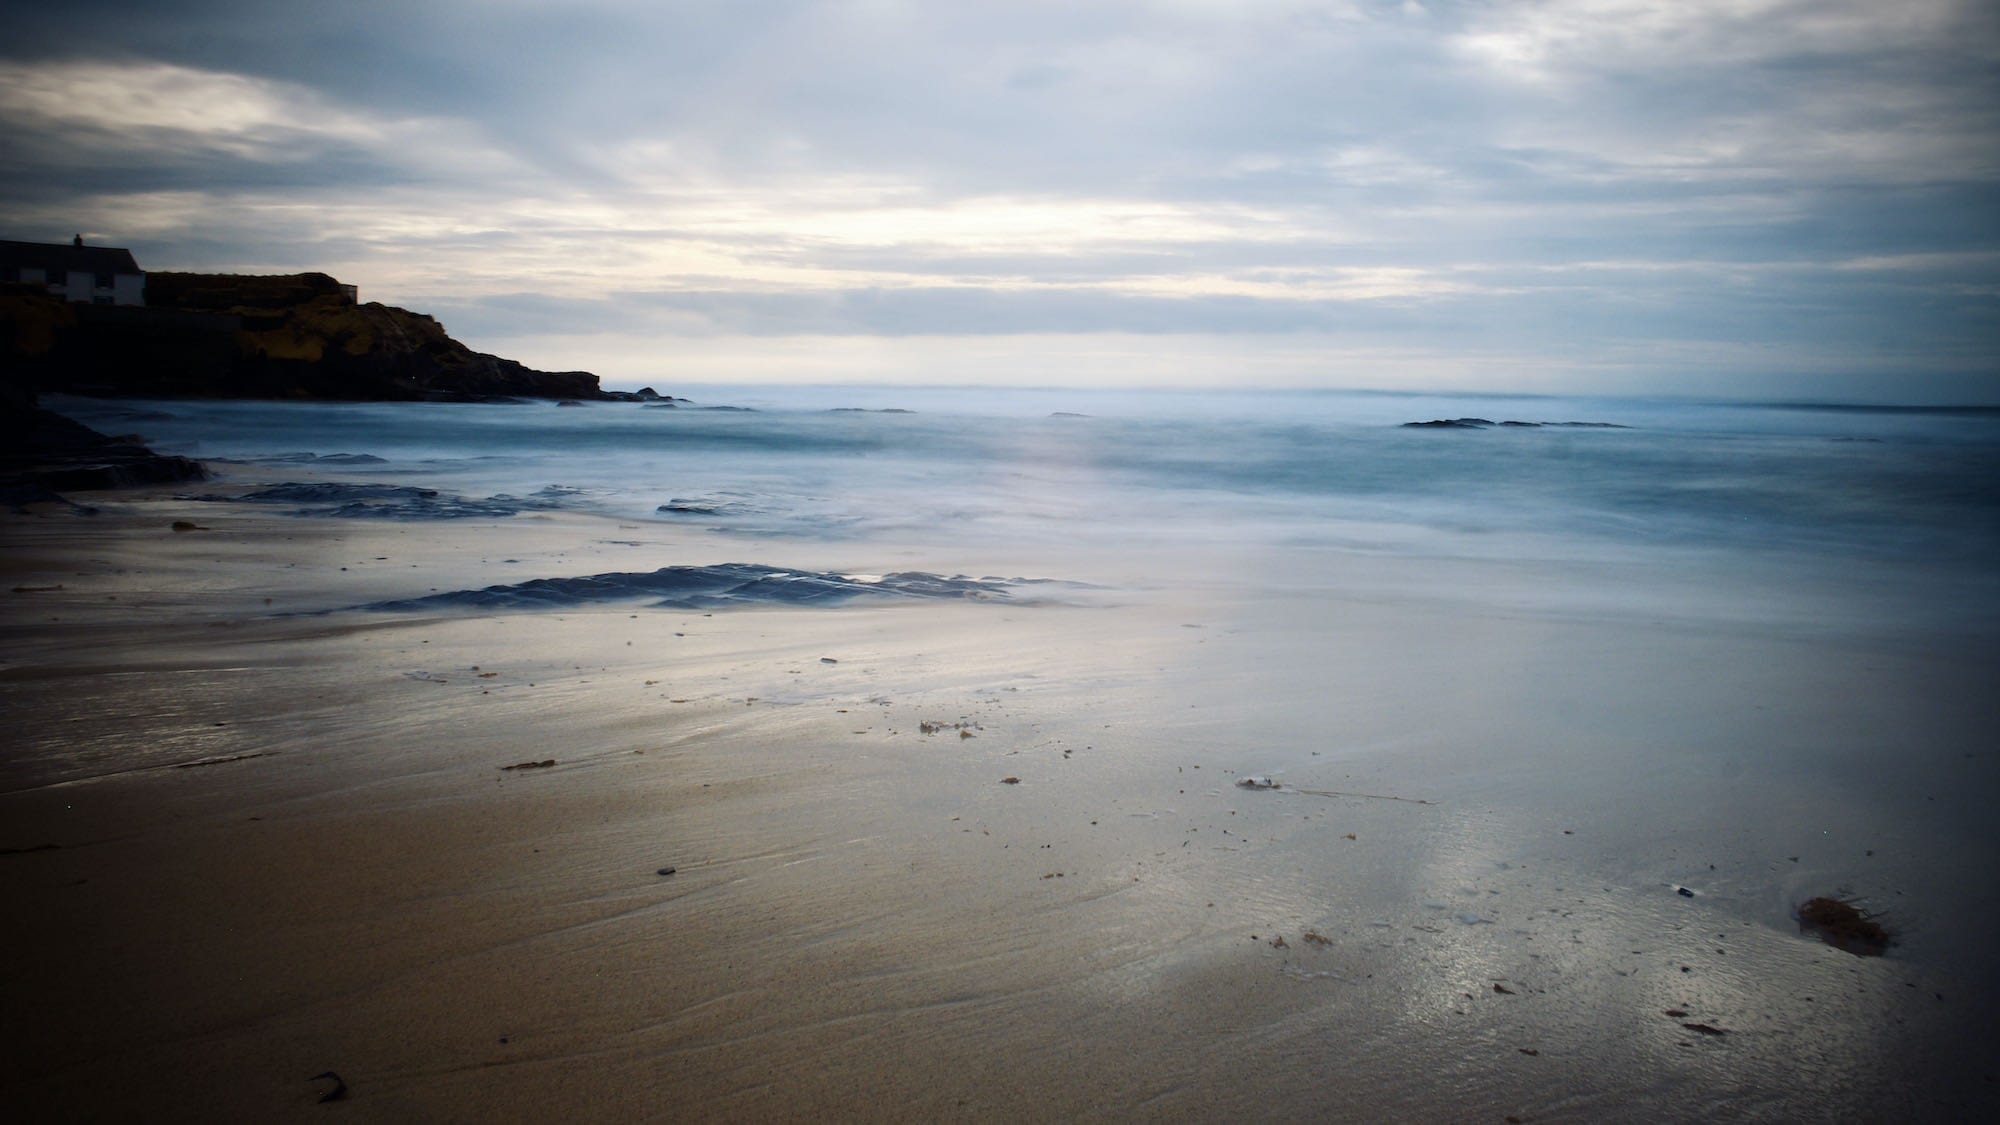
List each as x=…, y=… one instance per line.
x=43, y=453
x=346, y=500
x=727, y=585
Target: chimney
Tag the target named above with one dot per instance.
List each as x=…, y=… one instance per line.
x=78, y=241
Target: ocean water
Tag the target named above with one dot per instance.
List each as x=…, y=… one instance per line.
x=1153, y=471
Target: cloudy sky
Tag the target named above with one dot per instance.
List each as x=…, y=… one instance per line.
x=1759, y=197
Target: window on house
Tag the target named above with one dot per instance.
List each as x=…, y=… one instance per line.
x=105, y=281
x=100, y=300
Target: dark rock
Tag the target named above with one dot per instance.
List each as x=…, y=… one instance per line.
x=333, y=492
x=647, y=395
x=726, y=585
x=347, y=500
x=235, y=336
x=1485, y=423
x=43, y=453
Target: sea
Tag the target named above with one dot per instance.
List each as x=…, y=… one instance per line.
x=1151, y=470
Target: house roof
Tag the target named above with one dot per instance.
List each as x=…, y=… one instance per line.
x=63, y=256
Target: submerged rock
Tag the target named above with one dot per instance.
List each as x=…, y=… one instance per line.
x=1487, y=423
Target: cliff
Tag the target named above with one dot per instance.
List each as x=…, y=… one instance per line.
x=241, y=336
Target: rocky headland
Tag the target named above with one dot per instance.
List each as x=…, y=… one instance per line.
x=291, y=336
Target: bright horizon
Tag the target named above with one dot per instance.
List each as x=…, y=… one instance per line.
x=1761, y=199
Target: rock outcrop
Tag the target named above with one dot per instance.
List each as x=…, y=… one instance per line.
x=241, y=336
x=42, y=452
x=1487, y=424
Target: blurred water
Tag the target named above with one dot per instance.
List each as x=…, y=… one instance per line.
x=1125, y=468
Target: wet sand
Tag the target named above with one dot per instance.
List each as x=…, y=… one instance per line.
x=286, y=845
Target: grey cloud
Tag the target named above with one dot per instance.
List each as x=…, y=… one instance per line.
x=1559, y=315
x=1784, y=136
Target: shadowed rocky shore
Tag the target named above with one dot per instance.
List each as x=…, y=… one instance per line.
x=43, y=453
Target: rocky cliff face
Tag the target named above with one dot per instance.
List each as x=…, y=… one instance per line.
x=238, y=336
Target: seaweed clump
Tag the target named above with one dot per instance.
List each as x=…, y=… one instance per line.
x=1842, y=926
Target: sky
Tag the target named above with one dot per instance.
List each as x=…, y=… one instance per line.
x=1751, y=198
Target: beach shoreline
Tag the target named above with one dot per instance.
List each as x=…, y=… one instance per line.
x=285, y=845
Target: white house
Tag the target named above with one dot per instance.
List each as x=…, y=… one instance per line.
x=102, y=275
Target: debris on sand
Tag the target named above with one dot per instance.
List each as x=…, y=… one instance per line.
x=1010, y=780
x=936, y=726
x=339, y=1090
x=1842, y=926
x=1255, y=781
x=545, y=763
x=221, y=761
x=188, y=525
x=1704, y=1029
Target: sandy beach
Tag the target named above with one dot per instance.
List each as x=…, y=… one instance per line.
x=978, y=860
